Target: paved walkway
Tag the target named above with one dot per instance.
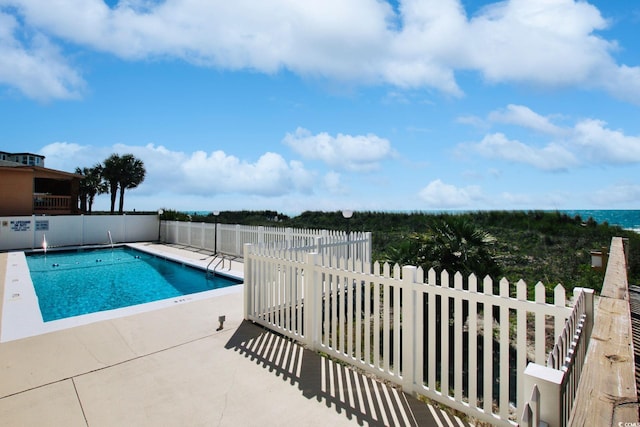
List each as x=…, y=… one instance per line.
x=174, y=367
x=222, y=264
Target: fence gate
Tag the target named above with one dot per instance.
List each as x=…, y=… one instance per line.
x=460, y=341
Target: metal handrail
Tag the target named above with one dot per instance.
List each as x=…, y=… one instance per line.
x=210, y=262
x=221, y=261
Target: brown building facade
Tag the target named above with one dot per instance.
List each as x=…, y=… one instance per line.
x=35, y=190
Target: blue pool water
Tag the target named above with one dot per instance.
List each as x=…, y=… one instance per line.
x=70, y=284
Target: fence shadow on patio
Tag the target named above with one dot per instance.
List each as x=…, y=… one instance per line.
x=359, y=397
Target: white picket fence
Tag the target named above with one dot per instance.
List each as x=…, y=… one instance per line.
x=229, y=239
x=462, y=342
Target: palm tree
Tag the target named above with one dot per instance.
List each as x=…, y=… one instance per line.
x=83, y=192
x=132, y=174
x=91, y=185
x=406, y=251
x=111, y=172
x=96, y=184
x=122, y=172
x=456, y=244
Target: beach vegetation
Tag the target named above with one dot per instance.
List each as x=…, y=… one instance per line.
x=536, y=246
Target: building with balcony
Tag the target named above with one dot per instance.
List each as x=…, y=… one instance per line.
x=28, y=159
x=28, y=188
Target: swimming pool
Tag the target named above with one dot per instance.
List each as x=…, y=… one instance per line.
x=69, y=284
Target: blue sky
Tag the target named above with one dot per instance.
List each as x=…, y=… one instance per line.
x=333, y=104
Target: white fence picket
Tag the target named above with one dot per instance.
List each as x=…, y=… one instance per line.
x=431, y=326
x=458, y=314
x=559, y=300
x=396, y=326
x=419, y=319
x=473, y=342
x=386, y=316
x=487, y=359
x=540, y=325
x=376, y=325
x=505, y=347
x=444, y=335
x=521, y=342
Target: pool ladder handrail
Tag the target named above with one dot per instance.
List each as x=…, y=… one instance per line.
x=221, y=261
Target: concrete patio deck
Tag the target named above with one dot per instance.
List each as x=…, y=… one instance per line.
x=173, y=367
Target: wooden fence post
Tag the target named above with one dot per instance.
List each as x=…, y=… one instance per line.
x=549, y=383
x=409, y=275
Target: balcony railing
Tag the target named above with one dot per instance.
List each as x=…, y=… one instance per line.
x=44, y=203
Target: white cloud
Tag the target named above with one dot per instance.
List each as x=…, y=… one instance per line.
x=67, y=156
x=347, y=152
x=218, y=172
x=523, y=116
x=38, y=69
x=198, y=173
x=605, y=145
x=621, y=81
x=588, y=141
x=361, y=41
x=621, y=195
x=553, y=41
x=439, y=195
x=550, y=157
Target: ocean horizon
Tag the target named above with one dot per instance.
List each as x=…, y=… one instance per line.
x=627, y=219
